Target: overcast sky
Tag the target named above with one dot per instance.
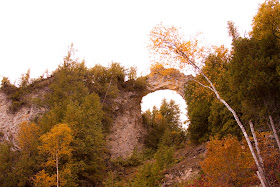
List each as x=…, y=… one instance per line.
x=36, y=34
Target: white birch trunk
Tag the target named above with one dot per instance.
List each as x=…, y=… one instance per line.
x=176, y=49
x=259, y=176
x=57, y=181
x=256, y=143
x=274, y=131
x=261, y=171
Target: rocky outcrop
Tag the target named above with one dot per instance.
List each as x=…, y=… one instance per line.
x=172, y=81
x=127, y=130
x=9, y=121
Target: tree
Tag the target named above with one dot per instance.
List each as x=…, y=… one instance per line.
x=163, y=125
x=88, y=144
x=168, y=43
x=28, y=137
x=28, y=162
x=73, y=100
x=228, y=163
x=8, y=159
x=56, y=144
x=208, y=116
x=267, y=21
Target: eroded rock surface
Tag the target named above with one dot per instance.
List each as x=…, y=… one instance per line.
x=174, y=81
x=9, y=121
x=127, y=130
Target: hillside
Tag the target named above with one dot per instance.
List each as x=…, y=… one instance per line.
x=83, y=126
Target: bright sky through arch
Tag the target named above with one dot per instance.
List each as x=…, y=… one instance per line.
x=36, y=34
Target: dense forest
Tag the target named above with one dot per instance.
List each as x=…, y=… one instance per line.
x=247, y=78
x=66, y=146
x=233, y=109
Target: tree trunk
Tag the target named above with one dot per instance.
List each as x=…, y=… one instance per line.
x=57, y=179
x=274, y=131
x=256, y=143
x=262, y=182
x=260, y=169
x=181, y=53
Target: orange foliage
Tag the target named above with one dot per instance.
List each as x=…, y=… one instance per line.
x=172, y=49
x=158, y=69
x=42, y=179
x=158, y=118
x=57, y=141
x=228, y=163
x=271, y=157
x=28, y=136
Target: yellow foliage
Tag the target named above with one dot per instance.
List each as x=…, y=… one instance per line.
x=172, y=49
x=57, y=141
x=28, y=136
x=56, y=144
x=267, y=20
x=42, y=179
x=158, y=118
x=158, y=69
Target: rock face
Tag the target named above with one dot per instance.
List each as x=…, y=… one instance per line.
x=127, y=129
x=174, y=81
x=9, y=121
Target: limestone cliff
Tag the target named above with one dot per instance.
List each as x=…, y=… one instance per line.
x=127, y=130
x=9, y=120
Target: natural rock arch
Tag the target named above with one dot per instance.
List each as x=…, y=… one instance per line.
x=172, y=80
x=127, y=131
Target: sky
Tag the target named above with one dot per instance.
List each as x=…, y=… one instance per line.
x=36, y=34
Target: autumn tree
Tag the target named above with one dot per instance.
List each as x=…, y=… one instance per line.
x=208, y=116
x=74, y=99
x=228, y=163
x=170, y=46
x=266, y=22
x=56, y=144
x=28, y=137
x=28, y=162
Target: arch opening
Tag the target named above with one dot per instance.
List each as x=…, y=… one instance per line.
x=155, y=99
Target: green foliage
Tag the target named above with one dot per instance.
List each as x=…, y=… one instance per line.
x=8, y=159
x=134, y=160
x=163, y=125
x=72, y=102
x=206, y=115
x=164, y=156
x=248, y=80
x=14, y=93
x=198, y=114
x=18, y=94
x=267, y=21
x=81, y=98
x=149, y=175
